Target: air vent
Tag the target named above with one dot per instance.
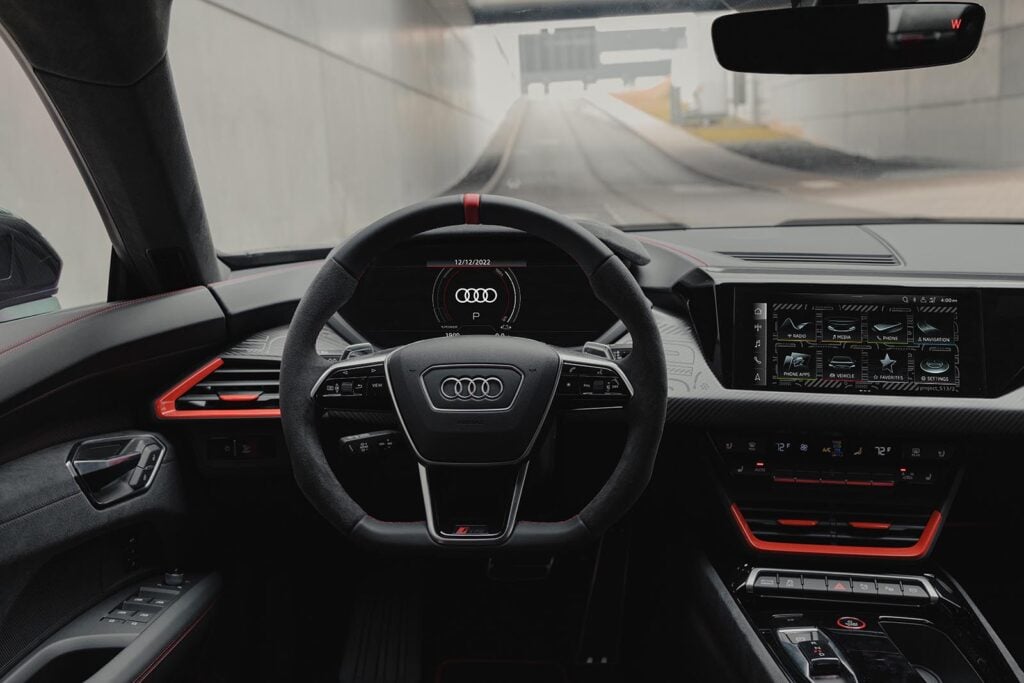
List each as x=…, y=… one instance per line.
x=225, y=388
x=830, y=532
x=793, y=257
x=842, y=528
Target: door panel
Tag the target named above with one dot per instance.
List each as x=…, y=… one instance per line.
x=61, y=554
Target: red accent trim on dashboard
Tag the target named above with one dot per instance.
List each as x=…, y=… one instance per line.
x=240, y=398
x=165, y=405
x=471, y=207
x=872, y=526
x=797, y=522
x=914, y=552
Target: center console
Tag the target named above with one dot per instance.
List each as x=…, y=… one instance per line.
x=838, y=530
x=859, y=402
x=870, y=627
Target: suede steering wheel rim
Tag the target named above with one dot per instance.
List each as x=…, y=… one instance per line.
x=334, y=285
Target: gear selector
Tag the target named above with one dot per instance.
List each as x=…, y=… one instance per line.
x=815, y=655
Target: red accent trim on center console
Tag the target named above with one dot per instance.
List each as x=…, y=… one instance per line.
x=165, y=405
x=471, y=207
x=914, y=552
x=871, y=526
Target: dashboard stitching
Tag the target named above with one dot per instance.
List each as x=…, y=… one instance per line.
x=90, y=314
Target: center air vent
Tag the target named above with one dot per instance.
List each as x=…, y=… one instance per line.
x=225, y=388
x=907, y=534
x=795, y=257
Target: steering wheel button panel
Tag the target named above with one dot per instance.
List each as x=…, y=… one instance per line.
x=354, y=384
x=591, y=384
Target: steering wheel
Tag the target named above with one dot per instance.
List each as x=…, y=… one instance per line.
x=469, y=403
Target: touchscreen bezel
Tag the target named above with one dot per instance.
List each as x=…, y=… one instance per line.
x=970, y=342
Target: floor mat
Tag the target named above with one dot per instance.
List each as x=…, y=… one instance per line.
x=495, y=671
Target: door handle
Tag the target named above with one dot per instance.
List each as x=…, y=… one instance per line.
x=113, y=469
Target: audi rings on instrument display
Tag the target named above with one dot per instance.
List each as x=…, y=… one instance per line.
x=476, y=295
x=470, y=300
x=472, y=388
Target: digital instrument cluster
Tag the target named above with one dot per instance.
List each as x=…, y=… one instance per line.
x=447, y=287
x=880, y=342
x=476, y=295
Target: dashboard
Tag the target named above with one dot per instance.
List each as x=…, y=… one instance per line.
x=445, y=285
x=928, y=342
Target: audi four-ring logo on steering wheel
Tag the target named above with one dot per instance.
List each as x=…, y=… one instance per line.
x=476, y=295
x=471, y=388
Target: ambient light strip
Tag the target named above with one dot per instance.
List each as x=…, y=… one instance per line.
x=913, y=552
x=165, y=405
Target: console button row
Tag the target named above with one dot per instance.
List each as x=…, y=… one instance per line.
x=827, y=447
x=832, y=585
x=907, y=474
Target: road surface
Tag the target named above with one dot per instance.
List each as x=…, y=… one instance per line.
x=572, y=157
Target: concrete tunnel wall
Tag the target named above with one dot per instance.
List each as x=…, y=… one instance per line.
x=307, y=120
x=969, y=113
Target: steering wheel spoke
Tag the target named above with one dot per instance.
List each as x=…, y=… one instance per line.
x=354, y=384
x=467, y=505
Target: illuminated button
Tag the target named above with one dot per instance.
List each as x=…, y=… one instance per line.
x=841, y=585
x=851, y=623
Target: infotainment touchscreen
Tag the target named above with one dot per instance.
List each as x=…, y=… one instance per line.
x=912, y=342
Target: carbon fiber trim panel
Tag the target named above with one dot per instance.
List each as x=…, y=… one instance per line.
x=270, y=344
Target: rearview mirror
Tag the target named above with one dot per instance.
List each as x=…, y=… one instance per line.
x=848, y=38
x=29, y=270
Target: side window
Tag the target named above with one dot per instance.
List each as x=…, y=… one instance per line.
x=41, y=186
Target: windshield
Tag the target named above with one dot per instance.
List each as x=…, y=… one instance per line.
x=307, y=125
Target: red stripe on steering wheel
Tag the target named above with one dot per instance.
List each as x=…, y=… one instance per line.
x=471, y=207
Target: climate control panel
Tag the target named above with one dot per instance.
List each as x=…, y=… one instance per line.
x=829, y=460
x=831, y=494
